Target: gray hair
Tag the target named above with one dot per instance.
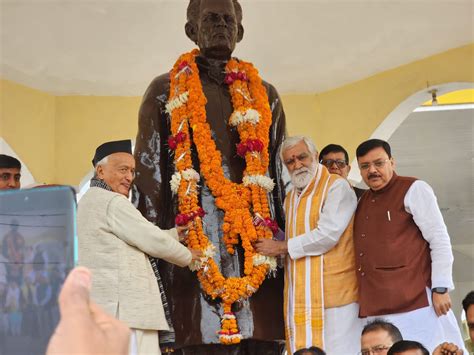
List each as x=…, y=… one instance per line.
x=290, y=142
x=101, y=162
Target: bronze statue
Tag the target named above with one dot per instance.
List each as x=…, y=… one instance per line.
x=215, y=26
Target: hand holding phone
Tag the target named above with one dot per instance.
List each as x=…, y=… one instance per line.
x=84, y=327
x=37, y=239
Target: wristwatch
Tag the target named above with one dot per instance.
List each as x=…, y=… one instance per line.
x=440, y=290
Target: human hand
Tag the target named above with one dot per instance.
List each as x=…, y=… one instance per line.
x=257, y=220
x=196, y=255
x=84, y=328
x=183, y=231
x=447, y=349
x=268, y=247
x=441, y=303
x=278, y=234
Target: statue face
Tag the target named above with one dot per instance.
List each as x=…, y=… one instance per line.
x=217, y=30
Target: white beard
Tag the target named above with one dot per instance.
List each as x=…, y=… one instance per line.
x=302, y=177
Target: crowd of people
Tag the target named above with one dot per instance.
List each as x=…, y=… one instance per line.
x=87, y=329
x=399, y=257
x=364, y=301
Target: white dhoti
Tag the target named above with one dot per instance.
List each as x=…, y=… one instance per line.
x=342, y=330
x=144, y=342
x=424, y=326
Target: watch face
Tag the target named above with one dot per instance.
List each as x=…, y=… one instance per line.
x=440, y=290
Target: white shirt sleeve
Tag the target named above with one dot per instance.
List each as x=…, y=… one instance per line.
x=338, y=209
x=420, y=201
x=127, y=223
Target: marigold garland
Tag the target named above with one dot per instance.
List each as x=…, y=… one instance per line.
x=240, y=202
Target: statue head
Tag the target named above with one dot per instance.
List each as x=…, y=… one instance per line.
x=215, y=26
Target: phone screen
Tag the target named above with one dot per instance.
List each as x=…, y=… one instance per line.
x=37, y=250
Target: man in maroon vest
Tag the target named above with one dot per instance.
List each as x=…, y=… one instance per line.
x=403, y=251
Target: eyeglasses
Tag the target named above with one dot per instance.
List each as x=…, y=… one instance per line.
x=377, y=164
x=341, y=164
x=378, y=349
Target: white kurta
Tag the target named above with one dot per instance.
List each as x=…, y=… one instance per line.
x=336, y=213
x=114, y=241
x=342, y=329
x=420, y=201
x=144, y=342
x=424, y=326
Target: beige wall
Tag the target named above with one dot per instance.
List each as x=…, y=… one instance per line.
x=348, y=115
x=56, y=136
x=84, y=122
x=27, y=124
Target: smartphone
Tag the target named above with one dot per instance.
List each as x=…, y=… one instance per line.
x=38, y=247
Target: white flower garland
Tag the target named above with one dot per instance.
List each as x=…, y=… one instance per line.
x=227, y=316
x=175, y=182
x=250, y=115
x=261, y=180
x=270, y=261
x=177, y=102
x=188, y=174
x=207, y=253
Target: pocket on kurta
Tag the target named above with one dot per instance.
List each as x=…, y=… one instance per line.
x=386, y=286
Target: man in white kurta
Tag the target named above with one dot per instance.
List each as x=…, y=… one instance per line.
x=114, y=243
x=320, y=300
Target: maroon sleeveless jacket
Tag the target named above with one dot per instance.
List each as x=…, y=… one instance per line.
x=392, y=257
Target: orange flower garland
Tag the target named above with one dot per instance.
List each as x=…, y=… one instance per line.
x=240, y=202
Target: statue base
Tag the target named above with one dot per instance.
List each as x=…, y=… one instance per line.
x=246, y=347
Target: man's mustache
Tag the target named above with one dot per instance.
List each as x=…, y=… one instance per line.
x=301, y=170
x=374, y=176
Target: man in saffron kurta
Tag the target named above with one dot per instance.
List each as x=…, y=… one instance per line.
x=320, y=297
x=403, y=252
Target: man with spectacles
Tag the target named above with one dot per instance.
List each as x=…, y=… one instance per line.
x=335, y=158
x=378, y=336
x=403, y=251
x=320, y=294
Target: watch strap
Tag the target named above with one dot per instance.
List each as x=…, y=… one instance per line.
x=440, y=290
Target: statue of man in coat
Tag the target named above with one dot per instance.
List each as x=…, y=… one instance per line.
x=216, y=27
